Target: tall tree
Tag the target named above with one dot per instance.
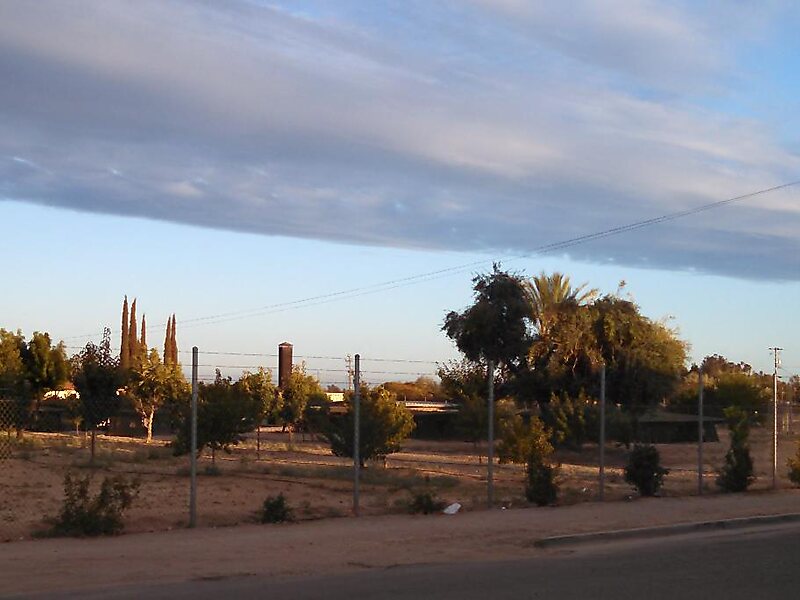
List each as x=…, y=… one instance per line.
x=133, y=338
x=143, y=350
x=168, y=343
x=152, y=386
x=549, y=295
x=124, y=348
x=497, y=325
x=174, y=340
x=97, y=378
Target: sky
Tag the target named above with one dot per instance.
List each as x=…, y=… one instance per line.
x=228, y=158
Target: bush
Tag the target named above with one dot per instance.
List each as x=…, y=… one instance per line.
x=276, y=510
x=644, y=470
x=81, y=515
x=736, y=475
x=541, y=488
x=519, y=441
x=425, y=503
x=794, y=467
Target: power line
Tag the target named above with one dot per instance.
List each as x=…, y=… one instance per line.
x=449, y=271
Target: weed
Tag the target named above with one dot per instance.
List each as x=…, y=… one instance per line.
x=83, y=515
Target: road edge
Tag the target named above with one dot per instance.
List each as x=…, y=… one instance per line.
x=665, y=530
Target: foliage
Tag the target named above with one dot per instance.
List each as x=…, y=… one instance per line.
x=736, y=475
x=425, y=502
x=152, y=385
x=794, y=466
x=28, y=370
x=385, y=423
x=423, y=389
x=644, y=470
x=276, y=510
x=97, y=377
x=541, y=487
x=496, y=326
x=567, y=417
x=300, y=388
x=521, y=442
x=84, y=515
x=259, y=387
x=224, y=415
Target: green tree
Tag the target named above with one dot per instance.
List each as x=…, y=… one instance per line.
x=550, y=296
x=497, y=325
x=520, y=441
x=124, y=348
x=225, y=413
x=385, y=423
x=568, y=418
x=736, y=475
x=259, y=387
x=35, y=368
x=153, y=385
x=98, y=378
x=300, y=388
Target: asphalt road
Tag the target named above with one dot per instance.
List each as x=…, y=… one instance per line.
x=753, y=564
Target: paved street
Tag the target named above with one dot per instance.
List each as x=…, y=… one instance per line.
x=752, y=564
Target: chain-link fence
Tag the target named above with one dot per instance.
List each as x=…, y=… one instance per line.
x=271, y=456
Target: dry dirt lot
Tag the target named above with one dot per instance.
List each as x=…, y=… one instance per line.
x=316, y=484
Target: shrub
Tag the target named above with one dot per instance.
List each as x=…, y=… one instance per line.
x=276, y=510
x=519, y=441
x=736, y=474
x=794, y=467
x=82, y=515
x=644, y=470
x=425, y=503
x=541, y=488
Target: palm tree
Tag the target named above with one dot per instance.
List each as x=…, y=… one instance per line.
x=549, y=294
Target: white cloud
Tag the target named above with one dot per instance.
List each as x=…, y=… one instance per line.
x=257, y=119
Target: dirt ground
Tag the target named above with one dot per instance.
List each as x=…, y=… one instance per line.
x=316, y=484
x=350, y=544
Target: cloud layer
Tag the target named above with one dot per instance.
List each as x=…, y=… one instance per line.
x=493, y=125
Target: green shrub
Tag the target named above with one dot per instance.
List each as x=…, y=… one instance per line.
x=736, y=474
x=541, y=487
x=519, y=441
x=276, y=510
x=425, y=503
x=644, y=470
x=794, y=466
x=83, y=515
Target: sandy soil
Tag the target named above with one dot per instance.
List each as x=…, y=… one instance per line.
x=316, y=484
x=345, y=544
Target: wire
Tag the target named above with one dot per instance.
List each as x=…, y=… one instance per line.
x=449, y=271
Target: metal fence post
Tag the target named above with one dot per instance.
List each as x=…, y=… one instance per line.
x=603, y=432
x=490, y=450
x=193, y=446
x=356, y=434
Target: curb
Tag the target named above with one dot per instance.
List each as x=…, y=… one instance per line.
x=664, y=530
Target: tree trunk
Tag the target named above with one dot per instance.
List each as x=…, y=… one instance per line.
x=258, y=442
x=148, y=423
x=94, y=437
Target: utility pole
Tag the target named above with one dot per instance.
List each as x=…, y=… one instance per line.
x=777, y=362
x=349, y=361
x=700, y=430
x=357, y=437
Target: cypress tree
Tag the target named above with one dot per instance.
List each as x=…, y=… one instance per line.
x=143, y=343
x=124, y=350
x=133, y=338
x=174, y=340
x=167, y=343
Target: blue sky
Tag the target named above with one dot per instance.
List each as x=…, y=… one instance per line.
x=212, y=158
